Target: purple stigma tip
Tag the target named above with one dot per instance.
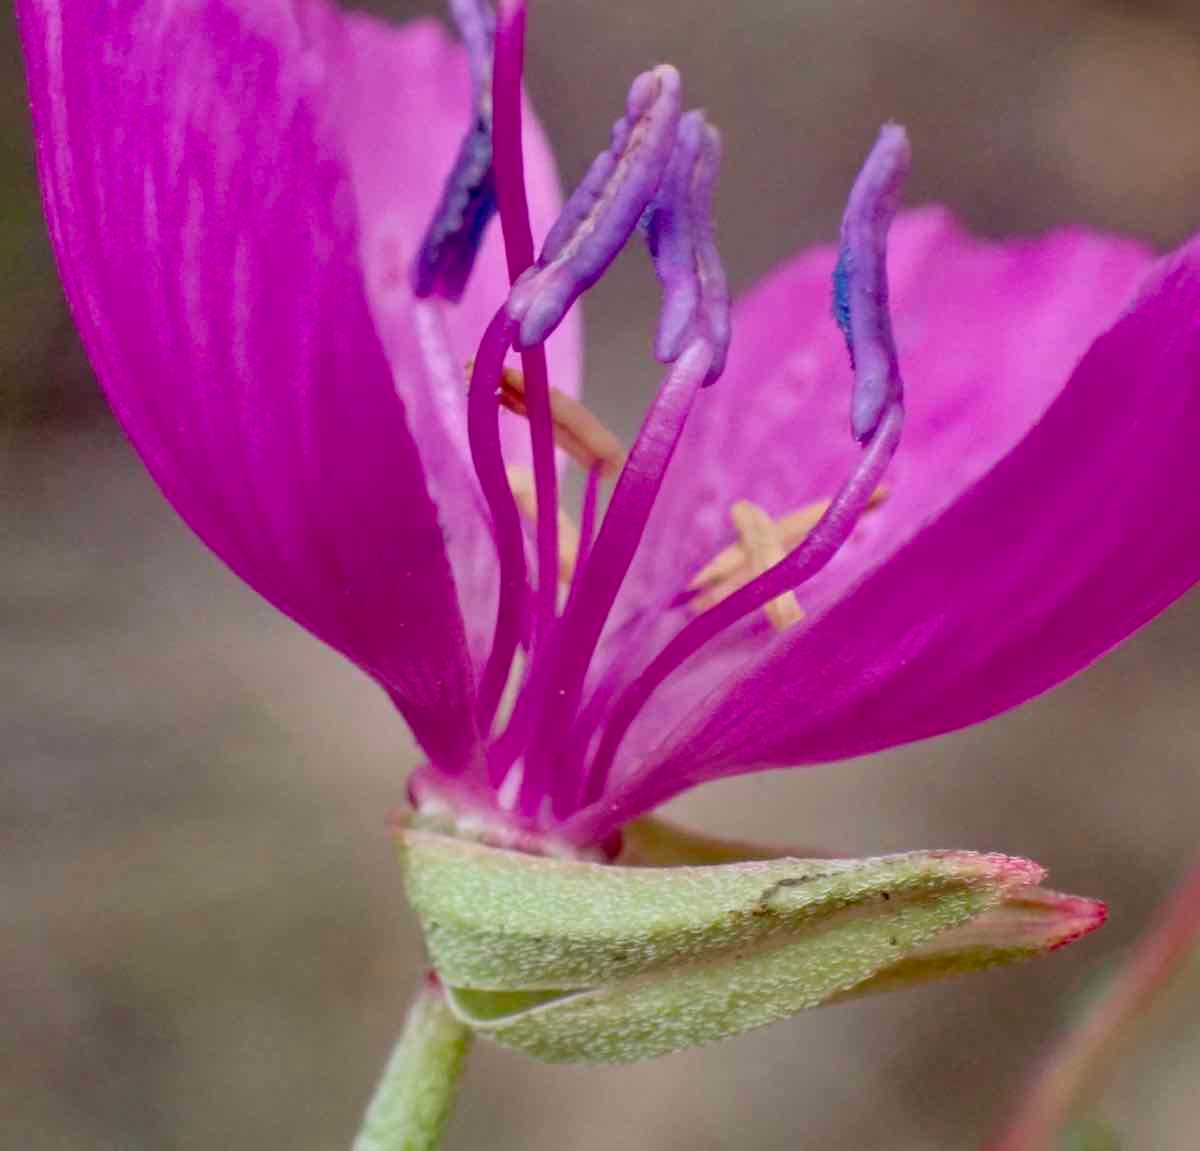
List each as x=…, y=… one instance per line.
x=860, y=284
x=452, y=240
x=679, y=234
x=602, y=212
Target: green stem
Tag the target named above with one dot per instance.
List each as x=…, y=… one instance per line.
x=412, y=1104
x=1083, y=1058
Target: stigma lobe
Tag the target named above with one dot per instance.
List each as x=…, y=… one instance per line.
x=679, y=233
x=860, y=283
x=603, y=210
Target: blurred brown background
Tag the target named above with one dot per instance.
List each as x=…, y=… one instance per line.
x=202, y=940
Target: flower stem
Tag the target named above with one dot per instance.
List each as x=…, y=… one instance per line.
x=411, y=1106
x=1084, y=1057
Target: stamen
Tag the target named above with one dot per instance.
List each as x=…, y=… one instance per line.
x=860, y=283
x=861, y=308
x=509, y=64
x=763, y=544
x=679, y=234
x=483, y=431
x=520, y=480
x=732, y=568
x=685, y=200
x=452, y=240
x=610, y=557
x=796, y=525
x=818, y=548
x=587, y=517
x=577, y=430
x=506, y=135
x=602, y=212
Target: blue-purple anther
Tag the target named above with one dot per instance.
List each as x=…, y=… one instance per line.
x=860, y=284
x=603, y=211
x=452, y=240
x=679, y=234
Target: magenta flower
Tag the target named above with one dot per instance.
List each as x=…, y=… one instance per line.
x=241, y=198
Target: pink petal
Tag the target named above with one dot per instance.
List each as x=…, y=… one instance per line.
x=987, y=333
x=1032, y=524
x=205, y=226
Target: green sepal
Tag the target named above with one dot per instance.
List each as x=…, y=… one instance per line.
x=722, y=994
x=1028, y=923
x=656, y=842
x=570, y=960
x=500, y=920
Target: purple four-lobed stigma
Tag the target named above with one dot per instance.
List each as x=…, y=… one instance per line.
x=679, y=233
x=452, y=240
x=604, y=209
x=860, y=284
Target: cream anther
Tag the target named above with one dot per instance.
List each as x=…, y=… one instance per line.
x=762, y=543
x=520, y=479
x=738, y=564
x=576, y=430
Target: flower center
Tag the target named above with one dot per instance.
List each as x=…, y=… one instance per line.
x=557, y=748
